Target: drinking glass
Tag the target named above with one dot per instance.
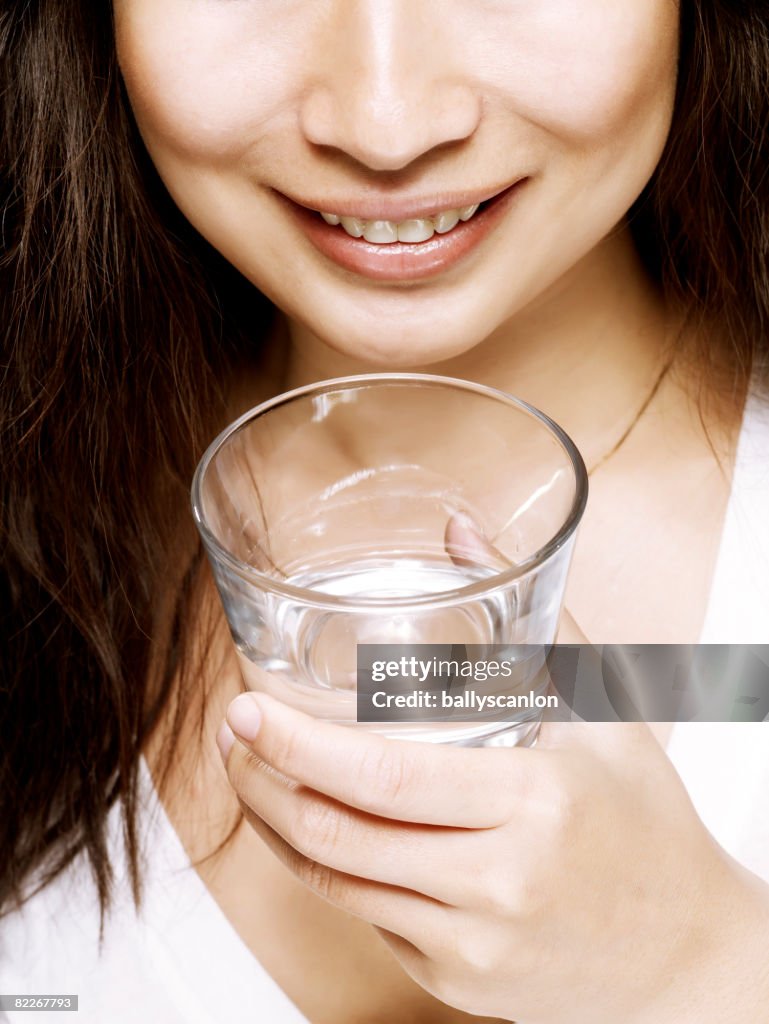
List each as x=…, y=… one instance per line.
x=388, y=508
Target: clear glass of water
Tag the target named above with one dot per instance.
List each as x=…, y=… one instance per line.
x=388, y=508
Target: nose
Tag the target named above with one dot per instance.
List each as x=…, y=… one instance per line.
x=385, y=83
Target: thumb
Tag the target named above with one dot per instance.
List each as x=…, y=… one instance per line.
x=467, y=546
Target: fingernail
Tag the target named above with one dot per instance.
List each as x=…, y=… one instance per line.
x=224, y=740
x=245, y=717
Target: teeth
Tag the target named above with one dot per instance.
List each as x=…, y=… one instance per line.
x=384, y=232
x=446, y=221
x=352, y=226
x=415, y=230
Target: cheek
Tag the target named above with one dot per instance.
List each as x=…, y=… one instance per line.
x=204, y=78
x=207, y=78
x=585, y=70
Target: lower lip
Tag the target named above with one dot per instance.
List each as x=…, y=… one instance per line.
x=403, y=261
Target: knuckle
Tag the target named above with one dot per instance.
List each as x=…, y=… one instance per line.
x=317, y=828
x=500, y=894
x=440, y=976
x=319, y=878
x=386, y=772
x=476, y=952
x=564, y=805
x=444, y=985
x=569, y=811
x=527, y=898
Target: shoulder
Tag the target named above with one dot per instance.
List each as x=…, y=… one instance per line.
x=175, y=960
x=51, y=943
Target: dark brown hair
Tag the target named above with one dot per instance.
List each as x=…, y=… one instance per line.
x=119, y=321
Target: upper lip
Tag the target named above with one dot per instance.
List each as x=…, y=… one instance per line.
x=368, y=206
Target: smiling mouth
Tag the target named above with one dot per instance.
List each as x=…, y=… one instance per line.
x=411, y=249
x=413, y=230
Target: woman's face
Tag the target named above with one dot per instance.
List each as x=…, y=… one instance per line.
x=396, y=111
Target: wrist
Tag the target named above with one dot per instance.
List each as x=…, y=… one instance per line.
x=722, y=971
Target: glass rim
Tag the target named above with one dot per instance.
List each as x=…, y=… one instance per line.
x=332, y=602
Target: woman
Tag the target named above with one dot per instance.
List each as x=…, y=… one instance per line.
x=166, y=265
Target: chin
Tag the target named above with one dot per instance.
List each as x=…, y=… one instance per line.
x=396, y=352
x=403, y=344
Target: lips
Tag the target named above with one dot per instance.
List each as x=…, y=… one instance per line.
x=402, y=261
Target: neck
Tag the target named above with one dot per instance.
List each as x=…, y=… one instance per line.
x=586, y=352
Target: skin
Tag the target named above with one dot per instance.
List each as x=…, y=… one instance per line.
x=228, y=115
x=526, y=888
x=576, y=883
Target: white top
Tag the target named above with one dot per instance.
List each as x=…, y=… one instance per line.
x=182, y=962
x=738, y=610
x=726, y=766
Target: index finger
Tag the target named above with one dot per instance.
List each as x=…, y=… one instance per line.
x=399, y=779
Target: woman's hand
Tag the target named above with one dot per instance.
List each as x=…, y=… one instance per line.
x=568, y=883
